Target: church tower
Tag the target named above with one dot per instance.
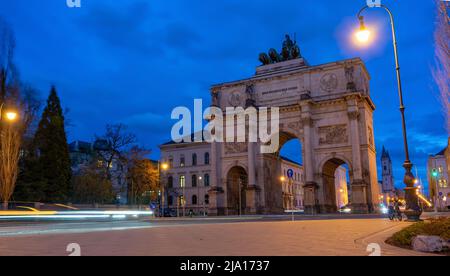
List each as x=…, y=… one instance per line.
x=387, y=172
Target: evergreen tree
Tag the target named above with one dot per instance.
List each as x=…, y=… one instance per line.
x=52, y=151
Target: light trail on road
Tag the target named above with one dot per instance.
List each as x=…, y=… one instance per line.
x=71, y=215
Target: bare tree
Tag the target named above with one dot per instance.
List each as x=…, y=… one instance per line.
x=441, y=71
x=12, y=94
x=116, y=140
x=7, y=47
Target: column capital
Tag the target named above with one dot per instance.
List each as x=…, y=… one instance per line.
x=307, y=121
x=353, y=115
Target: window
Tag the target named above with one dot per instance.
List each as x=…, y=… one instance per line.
x=182, y=181
x=206, y=180
x=194, y=159
x=207, y=158
x=170, y=162
x=182, y=161
x=194, y=200
x=206, y=199
x=443, y=183
x=170, y=182
x=194, y=181
x=170, y=200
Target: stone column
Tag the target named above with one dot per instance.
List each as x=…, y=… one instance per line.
x=251, y=164
x=310, y=188
x=353, y=116
x=251, y=193
x=309, y=166
x=216, y=191
x=359, y=187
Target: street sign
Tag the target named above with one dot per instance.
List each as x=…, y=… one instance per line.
x=290, y=173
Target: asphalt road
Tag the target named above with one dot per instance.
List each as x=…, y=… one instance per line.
x=30, y=228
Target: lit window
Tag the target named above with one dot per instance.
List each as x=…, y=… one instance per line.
x=182, y=161
x=182, y=181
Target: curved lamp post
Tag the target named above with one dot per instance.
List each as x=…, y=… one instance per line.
x=413, y=210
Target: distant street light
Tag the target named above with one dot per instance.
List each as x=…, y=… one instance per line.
x=10, y=115
x=413, y=209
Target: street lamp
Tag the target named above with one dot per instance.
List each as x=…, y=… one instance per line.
x=413, y=210
x=200, y=182
x=164, y=167
x=363, y=34
x=9, y=115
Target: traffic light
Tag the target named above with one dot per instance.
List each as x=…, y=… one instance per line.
x=434, y=173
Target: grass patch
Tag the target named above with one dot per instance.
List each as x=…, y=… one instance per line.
x=433, y=227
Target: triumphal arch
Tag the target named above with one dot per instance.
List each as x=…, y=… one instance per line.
x=327, y=107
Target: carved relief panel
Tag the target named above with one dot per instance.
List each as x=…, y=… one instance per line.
x=331, y=135
x=233, y=148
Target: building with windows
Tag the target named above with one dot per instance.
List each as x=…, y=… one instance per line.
x=438, y=178
x=387, y=185
x=342, y=190
x=187, y=181
x=293, y=192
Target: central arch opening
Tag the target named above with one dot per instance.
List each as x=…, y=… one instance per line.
x=336, y=186
x=287, y=177
x=237, y=183
x=292, y=174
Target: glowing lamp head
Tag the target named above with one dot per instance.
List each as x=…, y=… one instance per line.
x=11, y=116
x=363, y=34
x=283, y=179
x=165, y=166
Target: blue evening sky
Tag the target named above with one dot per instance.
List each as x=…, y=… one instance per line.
x=133, y=61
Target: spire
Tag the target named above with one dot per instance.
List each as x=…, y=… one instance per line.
x=385, y=154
